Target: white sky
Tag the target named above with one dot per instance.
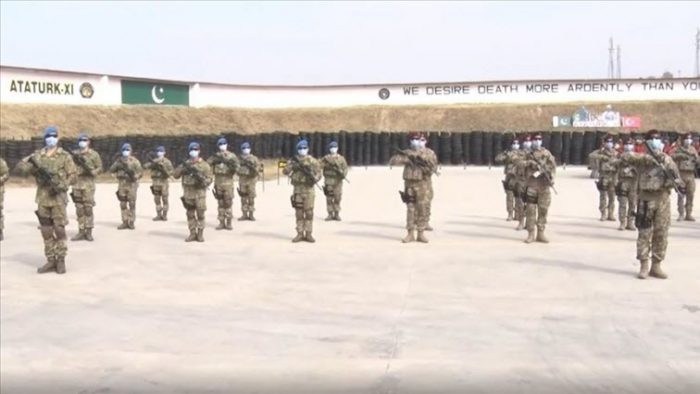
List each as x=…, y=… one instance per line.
x=350, y=42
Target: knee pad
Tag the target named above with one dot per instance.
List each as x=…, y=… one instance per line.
x=530, y=196
x=60, y=232
x=47, y=232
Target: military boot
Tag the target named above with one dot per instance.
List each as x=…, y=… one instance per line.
x=50, y=266
x=428, y=228
x=299, y=237
x=689, y=217
x=643, y=269
x=681, y=215
x=158, y=216
x=309, y=238
x=510, y=217
x=192, y=236
x=200, y=235
x=330, y=216
x=123, y=226
x=622, y=225
x=79, y=237
x=409, y=237
x=541, y=237
x=611, y=215
x=521, y=225
x=61, y=265
x=656, y=271
x=530, y=236
x=164, y=215
x=1, y=236
x=131, y=224
x=222, y=224
x=337, y=217
x=630, y=225
x=243, y=217
x=602, y=216
x=250, y=216
x=421, y=237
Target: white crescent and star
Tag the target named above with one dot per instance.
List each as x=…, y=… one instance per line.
x=154, y=94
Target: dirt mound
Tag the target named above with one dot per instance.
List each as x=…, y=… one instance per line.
x=23, y=121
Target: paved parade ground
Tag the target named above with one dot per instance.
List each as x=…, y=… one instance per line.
x=474, y=311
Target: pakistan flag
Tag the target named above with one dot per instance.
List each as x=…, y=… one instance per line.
x=156, y=93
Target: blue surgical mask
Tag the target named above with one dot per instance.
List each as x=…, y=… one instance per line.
x=194, y=153
x=126, y=153
x=303, y=151
x=657, y=144
x=609, y=145
x=51, y=141
x=160, y=154
x=245, y=151
x=223, y=147
x=333, y=150
x=415, y=144
x=82, y=144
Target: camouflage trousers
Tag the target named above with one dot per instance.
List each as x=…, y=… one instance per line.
x=246, y=189
x=52, y=221
x=653, y=222
x=627, y=200
x=429, y=208
x=334, y=197
x=685, y=203
x=606, y=204
x=2, y=216
x=195, y=208
x=537, y=202
x=518, y=203
x=127, y=202
x=303, y=203
x=224, y=198
x=418, y=205
x=160, y=190
x=84, y=200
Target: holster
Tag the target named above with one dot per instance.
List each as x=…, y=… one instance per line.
x=44, y=221
x=327, y=191
x=186, y=204
x=505, y=185
x=530, y=196
x=215, y=193
x=297, y=201
x=642, y=217
x=122, y=197
x=406, y=197
x=599, y=185
x=157, y=190
x=620, y=191
x=241, y=193
x=516, y=191
x=78, y=196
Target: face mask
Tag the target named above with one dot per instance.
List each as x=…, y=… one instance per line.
x=223, y=147
x=333, y=150
x=194, y=153
x=688, y=142
x=51, y=141
x=527, y=145
x=82, y=144
x=657, y=144
x=246, y=151
x=160, y=154
x=423, y=143
x=515, y=146
x=303, y=151
x=609, y=145
x=536, y=144
x=628, y=147
x=415, y=144
x=126, y=153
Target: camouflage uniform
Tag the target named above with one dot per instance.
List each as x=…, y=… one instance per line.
x=4, y=176
x=606, y=181
x=248, y=173
x=510, y=159
x=128, y=172
x=687, y=160
x=335, y=168
x=431, y=193
x=196, y=176
x=653, y=209
x=519, y=185
x=225, y=165
x=304, y=193
x=626, y=191
x=52, y=202
x=416, y=194
x=161, y=171
x=537, y=195
x=89, y=165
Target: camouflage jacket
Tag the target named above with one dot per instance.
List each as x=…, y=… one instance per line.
x=686, y=158
x=335, y=168
x=604, y=161
x=652, y=177
x=249, y=167
x=419, y=164
x=4, y=173
x=196, y=176
x=225, y=165
x=127, y=170
x=300, y=179
x=58, y=172
x=536, y=166
x=89, y=165
x=160, y=168
x=510, y=159
x=625, y=170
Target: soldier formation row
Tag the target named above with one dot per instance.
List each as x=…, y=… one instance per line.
x=643, y=180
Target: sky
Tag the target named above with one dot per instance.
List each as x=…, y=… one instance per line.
x=318, y=43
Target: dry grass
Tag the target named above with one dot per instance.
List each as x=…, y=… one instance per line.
x=23, y=121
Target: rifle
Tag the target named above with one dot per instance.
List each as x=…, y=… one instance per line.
x=542, y=170
x=45, y=177
x=220, y=160
x=80, y=160
x=129, y=172
x=336, y=168
x=151, y=157
x=251, y=166
x=667, y=172
x=306, y=170
x=417, y=161
x=192, y=171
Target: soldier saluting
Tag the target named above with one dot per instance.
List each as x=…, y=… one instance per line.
x=89, y=165
x=54, y=171
x=196, y=176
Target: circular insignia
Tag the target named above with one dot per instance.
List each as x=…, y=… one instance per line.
x=384, y=93
x=86, y=90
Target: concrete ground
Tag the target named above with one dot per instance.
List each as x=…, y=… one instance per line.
x=474, y=311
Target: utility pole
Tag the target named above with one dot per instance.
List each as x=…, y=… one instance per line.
x=611, y=61
x=697, y=53
x=619, y=63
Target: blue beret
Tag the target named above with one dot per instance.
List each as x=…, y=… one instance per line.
x=83, y=136
x=160, y=148
x=193, y=145
x=49, y=130
x=221, y=141
x=126, y=146
x=333, y=144
x=302, y=144
x=245, y=145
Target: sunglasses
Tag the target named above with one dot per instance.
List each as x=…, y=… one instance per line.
x=52, y=135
